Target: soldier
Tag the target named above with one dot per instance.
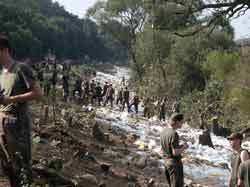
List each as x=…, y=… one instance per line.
x=105, y=87
x=78, y=87
x=98, y=93
x=54, y=76
x=92, y=90
x=18, y=86
x=86, y=91
x=119, y=97
x=40, y=73
x=240, y=156
x=65, y=83
x=135, y=102
x=151, y=107
x=163, y=109
x=123, y=82
x=244, y=174
x=47, y=81
x=172, y=151
x=176, y=107
x=110, y=95
x=125, y=99
x=146, y=108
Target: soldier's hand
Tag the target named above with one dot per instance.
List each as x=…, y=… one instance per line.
x=1, y=99
x=1, y=96
x=5, y=100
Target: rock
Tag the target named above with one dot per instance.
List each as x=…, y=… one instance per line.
x=52, y=176
x=205, y=139
x=224, y=166
x=153, y=163
x=105, y=167
x=130, y=184
x=152, y=171
x=88, y=179
x=97, y=133
x=56, y=164
x=162, y=185
x=151, y=182
x=102, y=184
x=132, y=178
x=87, y=108
x=54, y=143
x=188, y=182
x=141, y=162
x=119, y=172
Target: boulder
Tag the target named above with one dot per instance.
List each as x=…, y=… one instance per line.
x=97, y=133
x=141, y=162
x=88, y=179
x=105, y=167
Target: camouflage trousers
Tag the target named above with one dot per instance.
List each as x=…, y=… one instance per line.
x=15, y=149
x=174, y=173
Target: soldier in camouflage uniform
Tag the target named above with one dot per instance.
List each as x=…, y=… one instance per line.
x=18, y=86
x=47, y=80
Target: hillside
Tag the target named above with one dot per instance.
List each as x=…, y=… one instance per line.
x=36, y=27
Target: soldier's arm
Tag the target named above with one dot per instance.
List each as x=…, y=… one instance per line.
x=240, y=182
x=244, y=156
x=33, y=94
x=178, y=149
x=33, y=89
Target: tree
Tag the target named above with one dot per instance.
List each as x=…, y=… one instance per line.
x=37, y=26
x=211, y=13
x=123, y=19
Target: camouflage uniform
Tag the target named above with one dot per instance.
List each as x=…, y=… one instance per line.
x=15, y=152
x=47, y=81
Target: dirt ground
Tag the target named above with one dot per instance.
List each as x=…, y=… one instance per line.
x=73, y=149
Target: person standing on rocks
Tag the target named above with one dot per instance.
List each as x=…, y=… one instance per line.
x=104, y=91
x=47, y=81
x=65, y=83
x=119, y=98
x=163, y=104
x=86, y=91
x=240, y=156
x=125, y=99
x=176, y=106
x=98, y=91
x=18, y=87
x=146, y=108
x=110, y=95
x=172, y=151
x=93, y=92
x=135, y=102
x=77, y=87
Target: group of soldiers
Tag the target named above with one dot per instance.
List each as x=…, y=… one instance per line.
x=85, y=91
x=94, y=93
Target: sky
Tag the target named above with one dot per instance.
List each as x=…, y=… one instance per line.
x=79, y=7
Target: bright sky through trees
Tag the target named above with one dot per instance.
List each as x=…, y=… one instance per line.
x=79, y=7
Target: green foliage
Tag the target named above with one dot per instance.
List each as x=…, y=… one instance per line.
x=221, y=64
x=208, y=103
x=36, y=27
